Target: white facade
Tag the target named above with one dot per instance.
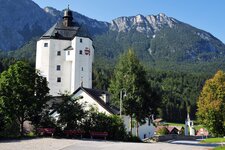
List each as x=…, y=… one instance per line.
x=145, y=131
x=65, y=55
x=89, y=102
x=65, y=69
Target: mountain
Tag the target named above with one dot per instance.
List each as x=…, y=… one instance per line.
x=149, y=24
x=162, y=42
x=20, y=21
x=159, y=41
x=23, y=20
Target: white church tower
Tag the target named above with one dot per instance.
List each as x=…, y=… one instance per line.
x=65, y=55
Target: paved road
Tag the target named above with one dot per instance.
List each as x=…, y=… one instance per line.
x=71, y=144
x=104, y=145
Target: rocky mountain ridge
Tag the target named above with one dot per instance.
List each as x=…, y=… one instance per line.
x=149, y=24
x=155, y=38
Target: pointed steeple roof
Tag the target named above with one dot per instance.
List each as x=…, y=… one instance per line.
x=66, y=28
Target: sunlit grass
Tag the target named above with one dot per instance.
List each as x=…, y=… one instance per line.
x=219, y=148
x=213, y=140
x=175, y=124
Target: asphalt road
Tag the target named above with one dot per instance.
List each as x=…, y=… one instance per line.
x=72, y=144
x=104, y=145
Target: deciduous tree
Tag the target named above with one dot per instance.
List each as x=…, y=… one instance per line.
x=71, y=112
x=130, y=76
x=211, y=104
x=23, y=92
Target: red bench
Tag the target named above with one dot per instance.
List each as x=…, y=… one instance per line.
x=46, y=131
x=74, y=133
x=99, y=134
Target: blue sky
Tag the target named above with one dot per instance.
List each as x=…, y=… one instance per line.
x=208, y=15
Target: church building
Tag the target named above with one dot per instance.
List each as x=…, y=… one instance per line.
x=65, y=55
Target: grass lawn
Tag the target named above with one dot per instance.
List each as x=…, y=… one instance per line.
x=213, y=140
x=219, y=148
x=175, y=124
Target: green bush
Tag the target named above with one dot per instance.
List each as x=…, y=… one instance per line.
x=11, y=129
x=100, y=122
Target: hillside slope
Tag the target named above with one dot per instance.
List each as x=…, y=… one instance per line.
x=159, y=41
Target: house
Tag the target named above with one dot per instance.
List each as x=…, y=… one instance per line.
x=170, y=129
x=97, y=99
x=100, y=101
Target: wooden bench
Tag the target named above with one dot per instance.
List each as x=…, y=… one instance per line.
x=99, y=134
x=46, y=131
x=74, y=133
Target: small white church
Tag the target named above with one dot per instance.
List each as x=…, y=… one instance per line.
x=64, y=56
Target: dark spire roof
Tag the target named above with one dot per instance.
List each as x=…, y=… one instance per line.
x=66, y=28
x=68, y=17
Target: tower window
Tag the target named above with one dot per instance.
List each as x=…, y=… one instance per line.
x=58, y=67
x=68, y=52
x=81, y=52
x=81, y=40
x=82, y=69
x=45, y=44
x=58, y=53
x=58, y=79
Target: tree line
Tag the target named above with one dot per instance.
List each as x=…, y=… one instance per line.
x=24, y=93
x=178, y=91
x=24, y=96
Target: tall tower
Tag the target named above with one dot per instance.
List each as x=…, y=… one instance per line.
x=65, y=55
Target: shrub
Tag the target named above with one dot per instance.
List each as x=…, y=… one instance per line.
x=102, y=123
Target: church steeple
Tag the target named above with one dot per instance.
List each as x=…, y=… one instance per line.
x=68, y=17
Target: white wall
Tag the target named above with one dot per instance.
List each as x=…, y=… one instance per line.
x=47, y=60
x=83, y=62
x=75, y=68
x=145, y=131
x=42, y=58
x=58, y=87
x=89, y=102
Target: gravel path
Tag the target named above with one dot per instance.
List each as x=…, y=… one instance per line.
x=72, y=144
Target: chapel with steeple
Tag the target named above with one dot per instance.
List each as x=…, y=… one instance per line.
x=64, y=55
